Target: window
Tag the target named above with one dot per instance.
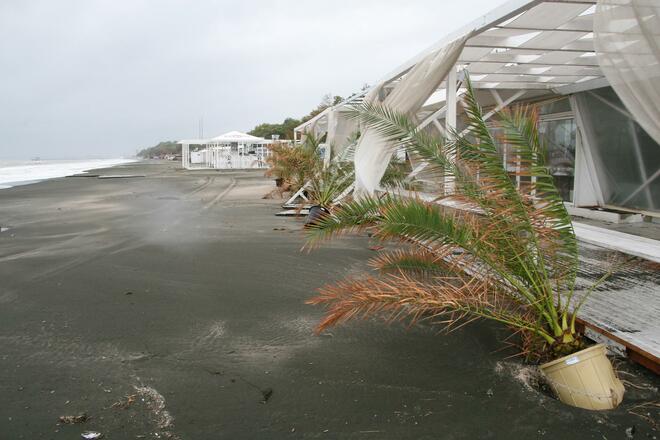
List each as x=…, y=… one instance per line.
x=627, y=159
x=558, y=130
x=559, y=137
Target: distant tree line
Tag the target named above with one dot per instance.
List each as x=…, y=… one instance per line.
x=163, y=148
x=265, y=129
x=285, y=128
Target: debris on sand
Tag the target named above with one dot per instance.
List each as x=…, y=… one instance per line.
x=73, y=420
x=91, y=435
x=527, y=375
x=155, y=402
x=125, y=403
x=266, y=393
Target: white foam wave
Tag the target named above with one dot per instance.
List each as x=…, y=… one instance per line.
x=21, y=173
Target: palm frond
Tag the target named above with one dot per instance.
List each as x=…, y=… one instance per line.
x=449, y=300
x=414, y=261
x=353, y=216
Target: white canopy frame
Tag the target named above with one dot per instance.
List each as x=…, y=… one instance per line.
x=218, y=152
x=522, y=45
x=332, y=121
x=529, y=48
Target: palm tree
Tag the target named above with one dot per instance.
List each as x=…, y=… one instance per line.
x=508, y=254
x=295, y=165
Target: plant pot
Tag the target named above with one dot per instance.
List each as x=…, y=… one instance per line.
x=279, y=182
x=316, y=212
x=585, y=379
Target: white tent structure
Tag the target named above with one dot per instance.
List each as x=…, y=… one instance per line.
x=333, y=123
x=232, y=150
x=591, y=66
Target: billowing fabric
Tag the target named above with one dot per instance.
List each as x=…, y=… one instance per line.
x=373, y=152
x=318, y=125
x=340, y=130
x=627, y=42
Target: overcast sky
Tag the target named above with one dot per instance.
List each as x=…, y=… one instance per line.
x=88, y=78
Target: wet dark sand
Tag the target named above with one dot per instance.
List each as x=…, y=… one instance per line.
x=176, y=288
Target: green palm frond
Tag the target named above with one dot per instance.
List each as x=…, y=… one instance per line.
x=548, y=208
x=327, y=183
x=353, y=216
x=414, y=261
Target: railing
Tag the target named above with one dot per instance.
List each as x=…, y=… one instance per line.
x=236, y=161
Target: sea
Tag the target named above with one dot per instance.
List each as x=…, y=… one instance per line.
x=17, y=172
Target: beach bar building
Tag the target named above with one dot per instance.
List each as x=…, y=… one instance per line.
x=592, y=69
x=232, y=150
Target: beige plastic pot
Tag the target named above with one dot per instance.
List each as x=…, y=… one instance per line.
x=585, y=379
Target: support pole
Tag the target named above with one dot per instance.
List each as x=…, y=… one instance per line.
x=450, y=121
x=184, y=156
x=450, y=118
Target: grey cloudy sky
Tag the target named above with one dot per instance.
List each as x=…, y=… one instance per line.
x=102, y=78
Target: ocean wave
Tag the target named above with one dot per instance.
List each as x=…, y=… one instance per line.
x=22, y=173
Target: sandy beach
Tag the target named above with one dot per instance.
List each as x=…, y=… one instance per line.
x=172, y=306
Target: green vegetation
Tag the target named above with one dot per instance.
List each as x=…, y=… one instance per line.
x=160, y=150
x=285, y=129
x=304, y=164
x=294, y=165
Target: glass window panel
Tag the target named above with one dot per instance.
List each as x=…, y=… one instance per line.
x=559, y=137
x=562, y=105
x=626, y=156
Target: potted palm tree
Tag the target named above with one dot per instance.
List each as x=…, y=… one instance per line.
x=293, y=166
x=327, y=184
x=330, y=182
x=505, y=254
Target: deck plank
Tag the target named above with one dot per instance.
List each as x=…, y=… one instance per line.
x=646, y=248
x=627, y=306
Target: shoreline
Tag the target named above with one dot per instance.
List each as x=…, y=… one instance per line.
x=39, y=171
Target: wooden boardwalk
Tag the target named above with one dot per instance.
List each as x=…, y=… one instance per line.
x=625, y=308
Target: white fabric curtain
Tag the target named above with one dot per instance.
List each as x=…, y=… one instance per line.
x=373, y=153
x=340, y=130
x=316, y=128
x=318, y=125
x=627, y=42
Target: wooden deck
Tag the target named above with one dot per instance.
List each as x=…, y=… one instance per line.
x=626, y=308
x=643, y=247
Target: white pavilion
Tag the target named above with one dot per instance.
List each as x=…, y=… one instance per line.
x=232, y=150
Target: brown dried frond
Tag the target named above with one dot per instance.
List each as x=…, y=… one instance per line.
x=401, y=297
